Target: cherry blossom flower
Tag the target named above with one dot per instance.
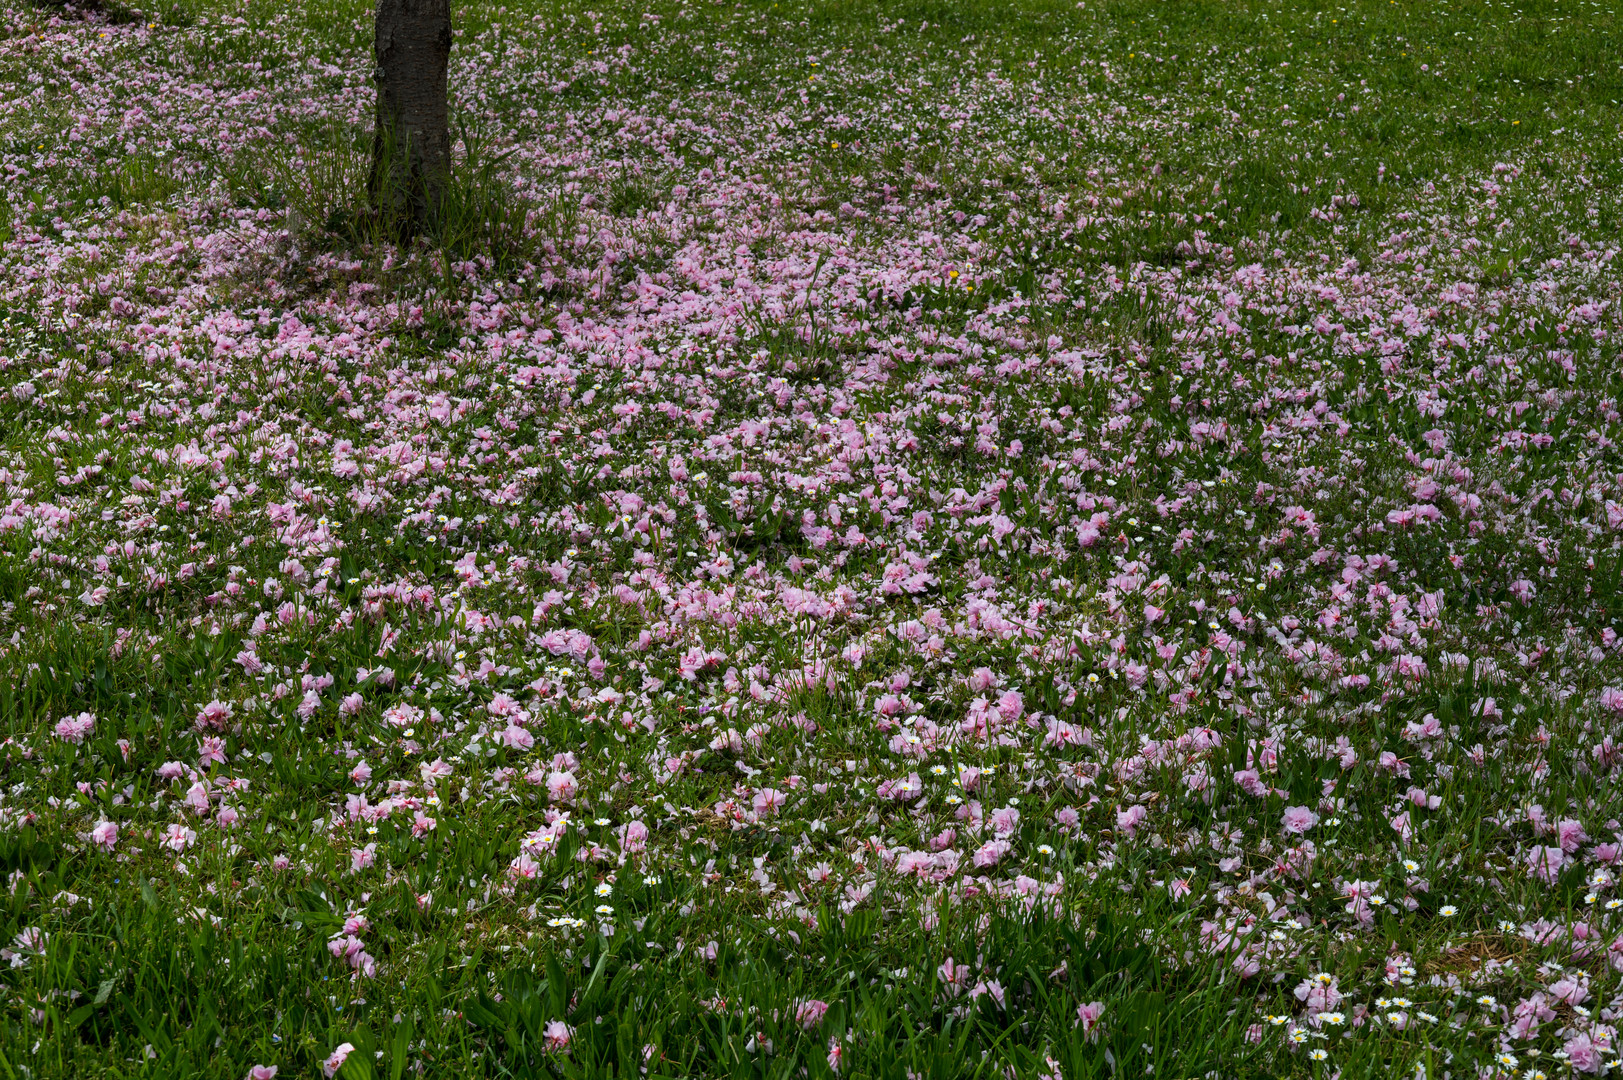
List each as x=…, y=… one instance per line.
x=335, y=1060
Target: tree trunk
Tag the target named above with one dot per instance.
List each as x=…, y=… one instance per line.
x=411, y=144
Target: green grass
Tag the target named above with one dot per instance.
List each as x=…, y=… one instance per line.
x=1171, y=117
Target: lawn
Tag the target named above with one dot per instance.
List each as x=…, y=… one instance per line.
x=907, y=539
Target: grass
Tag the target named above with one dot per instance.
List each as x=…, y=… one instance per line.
x=839, y=555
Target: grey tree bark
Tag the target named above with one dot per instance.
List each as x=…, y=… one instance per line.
x=411, y=147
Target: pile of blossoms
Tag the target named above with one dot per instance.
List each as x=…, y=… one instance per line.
x=780, y=534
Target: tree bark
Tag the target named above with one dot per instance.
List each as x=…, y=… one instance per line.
x=411, y=143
